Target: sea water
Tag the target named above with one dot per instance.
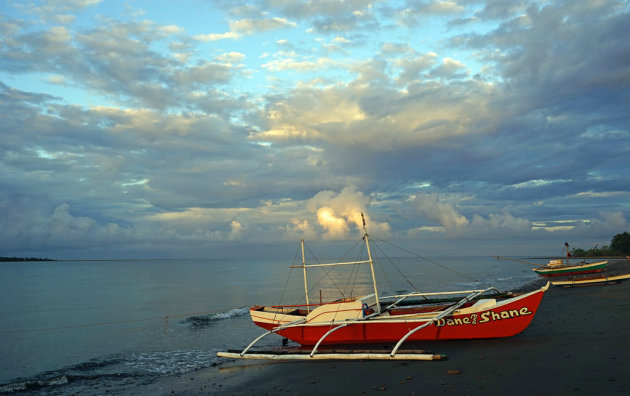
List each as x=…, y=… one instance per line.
x=97, y=326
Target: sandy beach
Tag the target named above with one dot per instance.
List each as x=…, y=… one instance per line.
x=576, y=344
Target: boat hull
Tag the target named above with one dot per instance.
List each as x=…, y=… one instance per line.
x=571, y=270
x=502, y=320
x=601, y=280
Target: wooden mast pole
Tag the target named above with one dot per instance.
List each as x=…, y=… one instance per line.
x=367, y=245
x=308, y=307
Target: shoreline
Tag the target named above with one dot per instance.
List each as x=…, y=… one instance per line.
x=579, y=257
x=575, y=344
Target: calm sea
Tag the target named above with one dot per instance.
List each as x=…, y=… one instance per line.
x=96, y=326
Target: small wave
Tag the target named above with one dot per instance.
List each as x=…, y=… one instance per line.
x=33, y=384
x=169, y=363
x=202, y=321
x=113, y=372
x=470, y=284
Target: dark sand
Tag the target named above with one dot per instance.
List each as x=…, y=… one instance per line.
x=576, y=344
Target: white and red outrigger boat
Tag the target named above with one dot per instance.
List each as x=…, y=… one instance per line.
x=563, y=267
x=375, y=319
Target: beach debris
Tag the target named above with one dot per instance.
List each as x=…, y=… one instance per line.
x=454, y=372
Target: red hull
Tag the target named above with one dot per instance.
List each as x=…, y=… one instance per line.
x=502, y=321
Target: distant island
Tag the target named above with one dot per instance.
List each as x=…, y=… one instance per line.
x=14, y=259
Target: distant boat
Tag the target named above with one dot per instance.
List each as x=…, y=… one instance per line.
x=591, y=280
x=559, y=268
x=375, y=319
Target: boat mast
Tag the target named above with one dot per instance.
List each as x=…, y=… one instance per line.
x=367, y=245
x=308, y=308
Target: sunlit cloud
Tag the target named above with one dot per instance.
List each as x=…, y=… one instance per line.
x=252, y=26
x=217, y=36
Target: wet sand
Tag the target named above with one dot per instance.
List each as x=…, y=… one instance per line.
x=577, y=344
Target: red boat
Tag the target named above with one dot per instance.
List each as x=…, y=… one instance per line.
x=373, y=319
x=362, y=321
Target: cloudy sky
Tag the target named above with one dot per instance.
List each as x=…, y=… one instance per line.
x=203, y=128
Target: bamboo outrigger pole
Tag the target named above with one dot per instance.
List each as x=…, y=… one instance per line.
x=308, y=307
x=367, y=245
x=334, y=356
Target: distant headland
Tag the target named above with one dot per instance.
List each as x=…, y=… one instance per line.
x=16, y=259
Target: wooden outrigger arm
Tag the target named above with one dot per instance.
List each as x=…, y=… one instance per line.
x=339, y=327
x=274, y=330
x=337, y=356
x=440, y=316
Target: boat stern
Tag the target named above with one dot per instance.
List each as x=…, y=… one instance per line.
x=269, y=317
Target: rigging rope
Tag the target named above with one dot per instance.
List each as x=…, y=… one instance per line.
x=284, y=289
x=326, y=272
x=395, y=267
x=314, y=286
x=355, y=271
x=429, y=260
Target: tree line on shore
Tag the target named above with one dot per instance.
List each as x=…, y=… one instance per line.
x=14, y=259
x=619, y=246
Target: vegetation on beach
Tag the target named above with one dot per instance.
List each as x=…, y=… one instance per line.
x=15, y=259
x=619, y=246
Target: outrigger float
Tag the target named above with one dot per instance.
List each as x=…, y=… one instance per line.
x=373, y=319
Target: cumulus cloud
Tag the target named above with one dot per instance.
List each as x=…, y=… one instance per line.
x=351, y=115
x=450, y=68
x=413, y=14
x=217, y=36
x=299, y=229
x=605, y=224
x=117, y=60
x=443, y=212
x=340, y=214
x=252, y=26
x=31, y=223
